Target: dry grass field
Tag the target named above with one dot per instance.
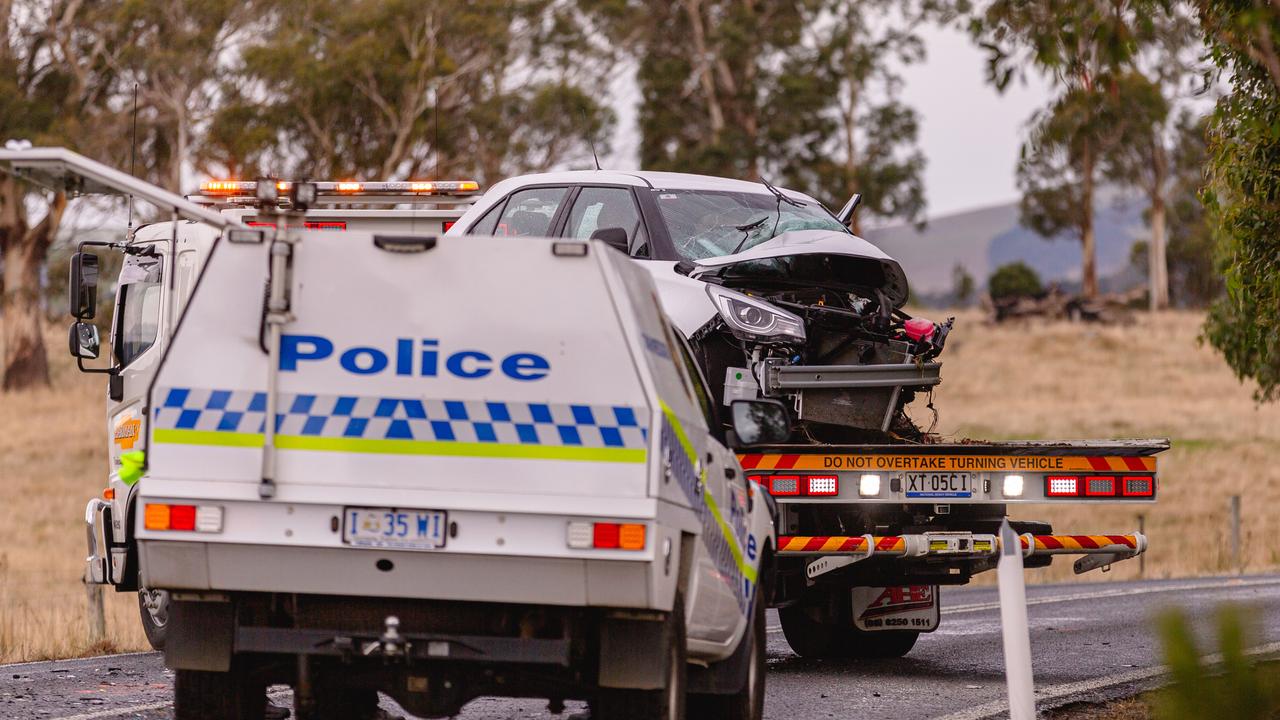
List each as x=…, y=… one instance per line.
x=1029, y=381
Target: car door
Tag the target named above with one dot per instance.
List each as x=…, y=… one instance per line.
x=528, y=212
x=596, y=208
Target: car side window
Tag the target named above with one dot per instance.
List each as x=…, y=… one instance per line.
x=600, y=207
x=530, y=212
x=487, y=222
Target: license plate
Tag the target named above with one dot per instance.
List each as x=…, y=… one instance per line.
x=939, y=485
x=394, y=528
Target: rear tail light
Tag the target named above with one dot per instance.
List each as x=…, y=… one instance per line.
x=1099, y=486
x=869, y=485
x=188, y=518
x=448, y=225
x=822, y=485
x=784, y=485
x=1062, y=486
x=1144, y=486
x=605, y=536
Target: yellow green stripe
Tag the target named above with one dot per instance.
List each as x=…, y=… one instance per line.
x=403, y=447
x=747, y=570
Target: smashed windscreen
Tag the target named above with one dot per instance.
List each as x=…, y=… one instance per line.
x=705, y=223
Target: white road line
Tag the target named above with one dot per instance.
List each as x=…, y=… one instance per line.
x=1227, y=584
x=1066, y=690
x=1219, y=584
x=117, y=712
x=62, y=661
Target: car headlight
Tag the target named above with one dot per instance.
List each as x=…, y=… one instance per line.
x=752, y=319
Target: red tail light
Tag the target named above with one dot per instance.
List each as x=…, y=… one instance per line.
x=448, y=224
x=1139, y=486
x=1062, y=486
x=1099, y=486
x=606, y=535
x=182, y=517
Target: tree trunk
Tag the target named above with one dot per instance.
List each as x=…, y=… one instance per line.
x=25, y=362
x=1158, y=267
x=1088, y=266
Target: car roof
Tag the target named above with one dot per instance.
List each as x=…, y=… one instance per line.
x=641, y=178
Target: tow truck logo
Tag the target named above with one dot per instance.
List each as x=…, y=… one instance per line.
x=894, y=600
x=126, y=433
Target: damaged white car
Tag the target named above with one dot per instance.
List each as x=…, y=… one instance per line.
x=773, y=291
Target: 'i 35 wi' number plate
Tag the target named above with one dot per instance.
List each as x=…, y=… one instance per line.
x=394, y=528
x=939, y=485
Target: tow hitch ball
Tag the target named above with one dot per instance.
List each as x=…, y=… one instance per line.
x=391, y=644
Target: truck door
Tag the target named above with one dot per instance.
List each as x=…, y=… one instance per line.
x=136, y=346
x=721, y=570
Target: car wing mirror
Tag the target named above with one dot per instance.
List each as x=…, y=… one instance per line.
x=614, y=237
x=82, y=286
x=846, y=213
x=760, y=422
x=84, y=341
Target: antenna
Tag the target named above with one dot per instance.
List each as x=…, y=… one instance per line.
x=133, y=152
x=587, y=126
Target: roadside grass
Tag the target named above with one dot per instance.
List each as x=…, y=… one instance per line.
x=1150, y=378
x=1054, y=380
x=53, y=458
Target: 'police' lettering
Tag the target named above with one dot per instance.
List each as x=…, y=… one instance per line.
x=367, y=360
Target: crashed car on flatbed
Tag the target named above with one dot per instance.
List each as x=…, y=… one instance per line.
x=780, y=300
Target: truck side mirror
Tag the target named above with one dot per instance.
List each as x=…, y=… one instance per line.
x=84, y=341
x=614, y=237
x=82, y=287
x=760, y=422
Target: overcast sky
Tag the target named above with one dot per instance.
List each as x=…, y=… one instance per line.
x=969, y=133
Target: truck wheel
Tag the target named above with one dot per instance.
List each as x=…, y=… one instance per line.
x=666, y=703
x=808, y=637
x=153, y=605
x=204, y=695
x=811, y=638
x=747, y=703
x=878, y=645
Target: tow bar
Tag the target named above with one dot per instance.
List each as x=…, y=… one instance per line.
x=837, y=551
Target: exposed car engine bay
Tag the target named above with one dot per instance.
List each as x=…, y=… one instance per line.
x=821, y=334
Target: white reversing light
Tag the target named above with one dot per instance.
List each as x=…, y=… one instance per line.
x=869, y=485
x=1013, y=486
x=579, y=535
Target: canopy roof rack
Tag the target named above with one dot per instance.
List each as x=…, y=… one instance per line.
x=343, y=192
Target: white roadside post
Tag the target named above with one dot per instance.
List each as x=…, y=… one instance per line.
x=1013, y=619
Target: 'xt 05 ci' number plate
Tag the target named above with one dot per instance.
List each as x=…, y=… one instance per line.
x=939, y=485
x=394, y=528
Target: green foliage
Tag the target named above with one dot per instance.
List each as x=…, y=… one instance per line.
x=1015, y=279
x=803, y=92
x=408, y=88
x=1243, y=194
x=1238, y=689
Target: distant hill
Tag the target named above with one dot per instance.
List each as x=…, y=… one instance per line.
x=982, y=240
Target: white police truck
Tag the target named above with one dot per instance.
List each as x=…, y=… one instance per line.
x=363, y=461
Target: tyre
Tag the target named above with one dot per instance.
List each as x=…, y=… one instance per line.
x=665, y=703
x=153, y=605
x=748, y=702
x=813, y=634
x=203, y=695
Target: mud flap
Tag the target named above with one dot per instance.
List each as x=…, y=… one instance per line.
x=912, y=607
x=632, y=652
x=200, y=636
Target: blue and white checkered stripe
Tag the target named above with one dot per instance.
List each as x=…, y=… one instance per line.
x=434, y=420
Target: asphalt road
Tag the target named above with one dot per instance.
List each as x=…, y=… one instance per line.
x=1089, y=642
